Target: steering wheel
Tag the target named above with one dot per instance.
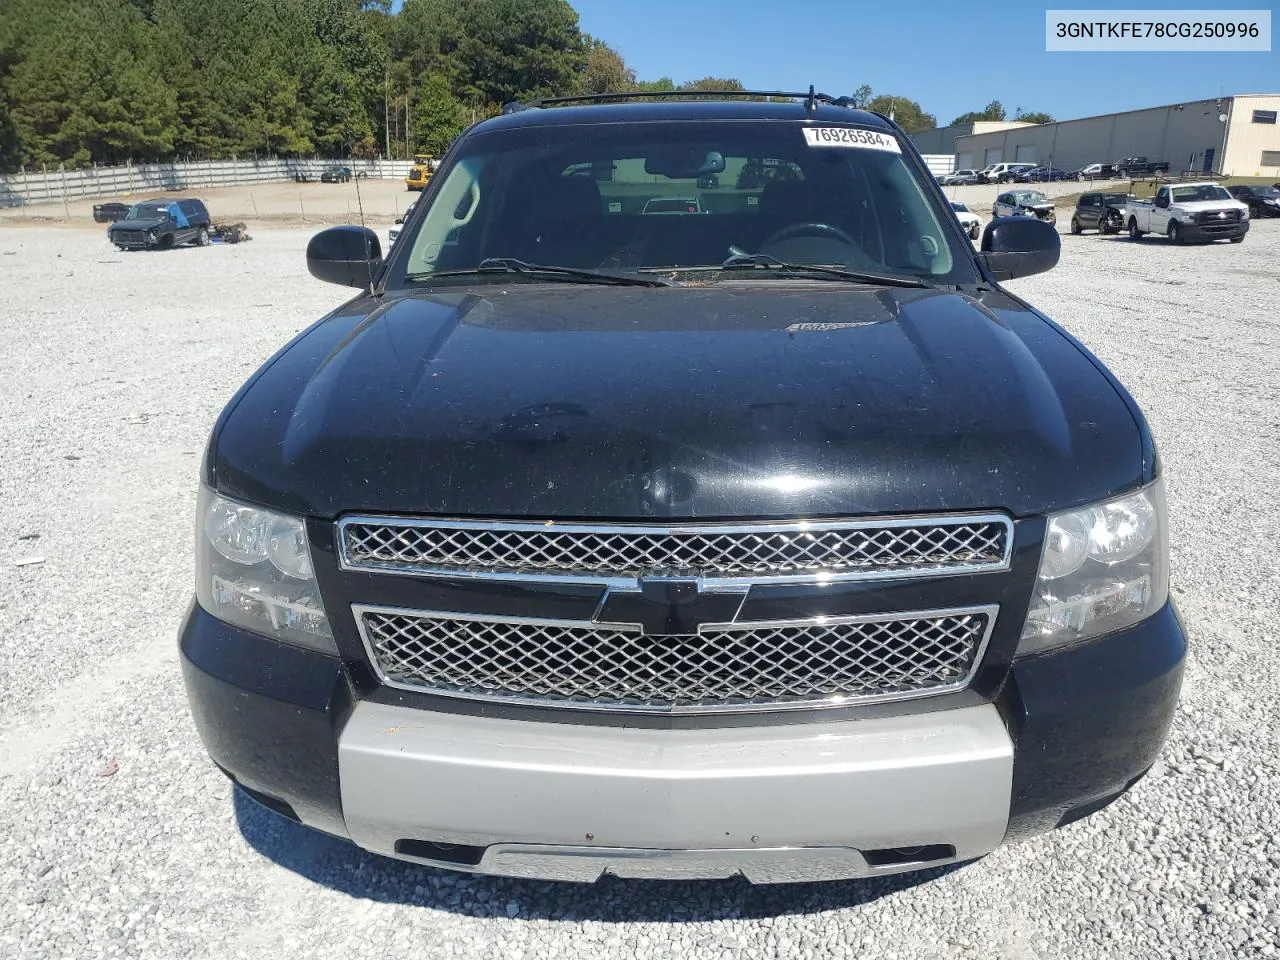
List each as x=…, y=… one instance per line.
x=808, y=230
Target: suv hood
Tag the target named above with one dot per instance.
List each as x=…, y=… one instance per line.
x=737, y=399
x=147, y=223
x=1198, y=206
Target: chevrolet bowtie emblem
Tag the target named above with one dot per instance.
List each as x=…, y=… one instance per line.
x=669, y=606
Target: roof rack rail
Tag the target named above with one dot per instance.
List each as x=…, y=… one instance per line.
x=811, y=97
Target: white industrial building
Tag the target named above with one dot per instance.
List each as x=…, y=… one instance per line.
x=1235, y=136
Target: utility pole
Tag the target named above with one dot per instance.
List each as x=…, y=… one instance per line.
x=386, y=111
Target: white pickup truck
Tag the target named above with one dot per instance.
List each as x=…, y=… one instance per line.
x=1186, y=212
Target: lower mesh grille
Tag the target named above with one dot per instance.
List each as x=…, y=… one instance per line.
x=749, y=666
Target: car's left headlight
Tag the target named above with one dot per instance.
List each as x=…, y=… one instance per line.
x=1103, y=568
x=253, y=570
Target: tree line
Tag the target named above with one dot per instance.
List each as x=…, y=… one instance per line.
x=110, y=81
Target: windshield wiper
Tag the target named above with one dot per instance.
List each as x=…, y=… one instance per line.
x=764, y=261
x=491, y=265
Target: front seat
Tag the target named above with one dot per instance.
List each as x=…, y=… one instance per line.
x=783, y=203
x=567, y=227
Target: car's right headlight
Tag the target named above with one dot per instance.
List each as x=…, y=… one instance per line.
x=253, y=570
x=1103, y=568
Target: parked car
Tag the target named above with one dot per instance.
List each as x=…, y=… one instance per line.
x=161, y=224
x=971, y=222
x=395, y=231
x=1094, y=171
x=1025, y=203
x=1187, y=212
x=110, y=212
x=1261, y=201
x=1041, y=175
x=960, y=178
x=1103, y=212
x=335, y=174
x=672, y=205
x=420, y=172
x=1002, y=172
x=484, y=583
x=1140, y=167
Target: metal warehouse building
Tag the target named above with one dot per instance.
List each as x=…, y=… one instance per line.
x=942, y=140
x=1236, y=136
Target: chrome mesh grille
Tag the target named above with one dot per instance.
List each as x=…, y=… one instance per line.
x=743, y=666
x=1213, y=217
x=753, y=551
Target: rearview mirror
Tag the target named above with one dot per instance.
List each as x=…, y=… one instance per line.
x=1015, y=247
x=684, y=163
x=348, y=255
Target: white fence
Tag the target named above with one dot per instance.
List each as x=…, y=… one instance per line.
x=52, y=186
x=939, y=164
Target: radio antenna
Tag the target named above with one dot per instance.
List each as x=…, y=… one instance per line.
x=368, y=247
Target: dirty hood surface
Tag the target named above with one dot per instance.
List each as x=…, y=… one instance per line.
x=736, y=399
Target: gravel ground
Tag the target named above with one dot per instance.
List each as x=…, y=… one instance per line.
x=118, y=838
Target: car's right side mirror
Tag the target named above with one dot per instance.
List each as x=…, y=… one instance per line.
x=1015, y=247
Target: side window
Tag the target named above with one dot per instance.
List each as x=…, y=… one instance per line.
x=1163, y=194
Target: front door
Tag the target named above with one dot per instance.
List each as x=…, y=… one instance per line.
x=1160, y=215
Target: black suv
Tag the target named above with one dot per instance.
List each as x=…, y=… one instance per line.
x=770, y=537
x=1103, y=212
x=161, y=224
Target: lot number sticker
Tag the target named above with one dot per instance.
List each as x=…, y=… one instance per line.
x=850, y=137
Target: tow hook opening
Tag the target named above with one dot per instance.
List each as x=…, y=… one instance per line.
x=459, y=853
x=901, y=856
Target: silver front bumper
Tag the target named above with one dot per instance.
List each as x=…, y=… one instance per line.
x=574, y=801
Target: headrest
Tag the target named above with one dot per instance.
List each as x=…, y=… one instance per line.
x=790, y=200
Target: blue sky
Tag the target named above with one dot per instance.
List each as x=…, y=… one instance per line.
x=951, y=57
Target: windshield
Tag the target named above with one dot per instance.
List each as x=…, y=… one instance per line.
x=1115, y=198
x=657, y=196
x=148, y=211
x=1201, y=191
x=1266, y=192
x=959, y=207
x=1029, y=196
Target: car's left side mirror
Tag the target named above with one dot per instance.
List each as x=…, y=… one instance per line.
x=347, y=255
x=1015, y=247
